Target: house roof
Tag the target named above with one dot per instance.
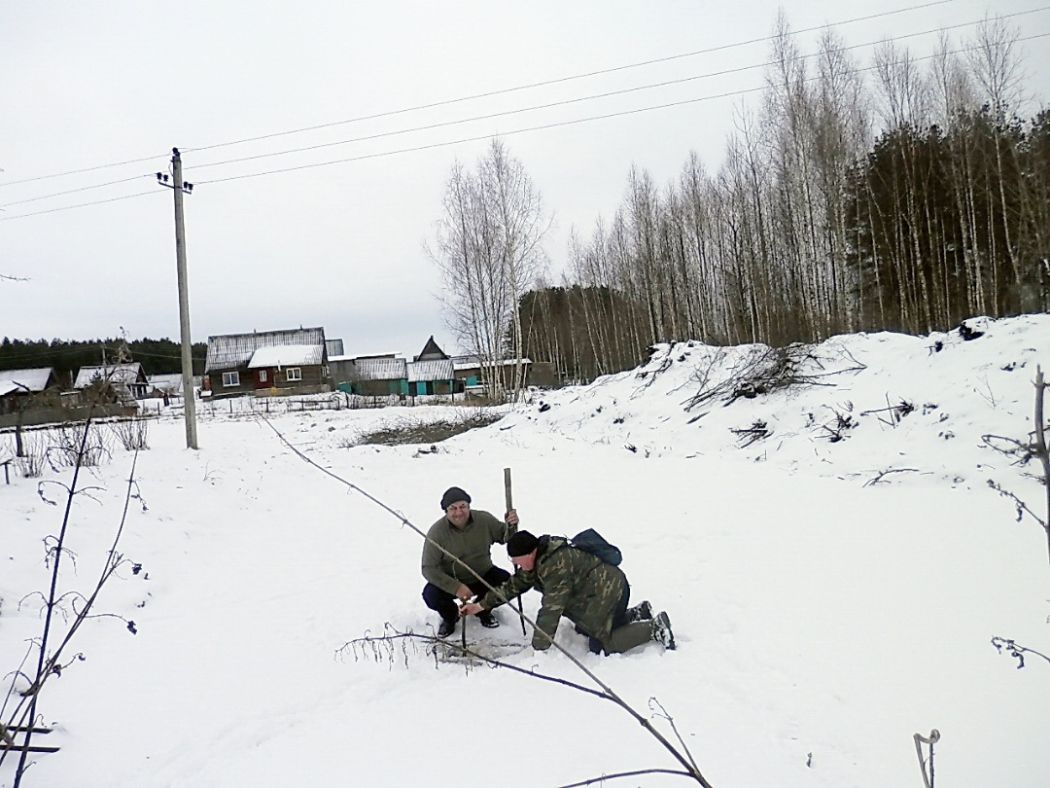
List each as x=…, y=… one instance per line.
x=230, y=351
x=379, y=369
x=114, y=373
x=431, y=351
x=171, y=382
x=32, y=379
x=287, y=356
x=436, y=369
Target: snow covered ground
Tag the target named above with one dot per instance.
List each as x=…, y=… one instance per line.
x=822, y=619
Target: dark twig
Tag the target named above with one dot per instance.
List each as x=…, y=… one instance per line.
x=53, y=665
x=1041, y=449
x=40, y=675
x=432, y=642
x=878, y=478
x=1015, y=650
x=618, y=775
x=662, y=713
x=934, y=737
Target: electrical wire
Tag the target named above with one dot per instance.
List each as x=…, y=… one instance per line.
x=579, y=99
x=74, y=191
x=81, y=170
x=488, y=94
x=462, y=140
x=561, y=80
x=554, y=124
x=78, y=205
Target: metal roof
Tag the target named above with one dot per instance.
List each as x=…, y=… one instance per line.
x=472, y=362
x=230, y=351
x=435, y=369
x=287, y=356
x=170, y=382
x=113, y=373
x=32, y=379
x=379, y=369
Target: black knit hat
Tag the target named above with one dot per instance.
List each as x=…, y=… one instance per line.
x=453, y=495
x=522, y=543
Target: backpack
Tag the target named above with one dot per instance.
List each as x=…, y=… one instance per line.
x=590, y=541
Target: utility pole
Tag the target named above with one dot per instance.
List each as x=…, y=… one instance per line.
x=180, y=187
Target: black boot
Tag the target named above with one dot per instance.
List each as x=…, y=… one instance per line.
x=662, y=631
x=643, y=611
x=448, y=626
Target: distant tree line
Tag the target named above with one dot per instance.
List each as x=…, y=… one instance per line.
x=815, y=224
x=157, y=356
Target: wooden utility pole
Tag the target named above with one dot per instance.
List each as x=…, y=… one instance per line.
x=180, y=187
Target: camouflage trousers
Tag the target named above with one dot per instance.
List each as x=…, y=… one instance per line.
x=623, y=636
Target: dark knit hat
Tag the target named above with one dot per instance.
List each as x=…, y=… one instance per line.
x=522, y=543
x=453, y=495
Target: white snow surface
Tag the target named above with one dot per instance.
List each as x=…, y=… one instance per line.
x=822, y=619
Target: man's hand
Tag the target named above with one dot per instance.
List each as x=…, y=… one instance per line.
x=470, y=609
x=511, y=517
x=463, y=593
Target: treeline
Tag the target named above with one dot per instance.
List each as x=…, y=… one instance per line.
x=157, y=356
x=815, y=224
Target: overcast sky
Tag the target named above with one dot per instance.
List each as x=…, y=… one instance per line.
x=342, y=246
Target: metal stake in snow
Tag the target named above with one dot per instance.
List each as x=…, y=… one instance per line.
x=509, y=499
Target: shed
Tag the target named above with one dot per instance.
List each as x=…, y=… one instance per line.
x=379, y=377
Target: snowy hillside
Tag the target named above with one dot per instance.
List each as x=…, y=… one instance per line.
x=829, y=552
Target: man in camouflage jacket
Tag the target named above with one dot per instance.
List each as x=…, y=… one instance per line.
x=580, y=586
x=469, y=536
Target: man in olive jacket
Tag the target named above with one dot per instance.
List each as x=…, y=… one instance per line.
x=583, y=588
x=469, y=536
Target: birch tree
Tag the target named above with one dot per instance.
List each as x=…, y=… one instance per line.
x=488, y=247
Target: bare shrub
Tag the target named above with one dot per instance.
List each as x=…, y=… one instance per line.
x=767, y=370
x=34, y=453
x=428, y=432
x=68, y=440
x=132, y=433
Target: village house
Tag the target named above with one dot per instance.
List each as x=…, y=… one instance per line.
x=128, y=381
x=18, y=385
x=431, y=372
x=267, y=362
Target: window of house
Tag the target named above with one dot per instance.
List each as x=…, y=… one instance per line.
x=231, y=378
x=262, y=375
x=293, y=373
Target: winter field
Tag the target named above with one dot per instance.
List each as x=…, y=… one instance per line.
x=830, y=554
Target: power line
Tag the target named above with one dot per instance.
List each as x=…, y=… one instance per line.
x=559, y=80
x=449, y=143
x=520, y=110
x=74, y=191
x=487, y=94
x=554, y=124
x=81, y=170
x=78, y=205
x=591, y=97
